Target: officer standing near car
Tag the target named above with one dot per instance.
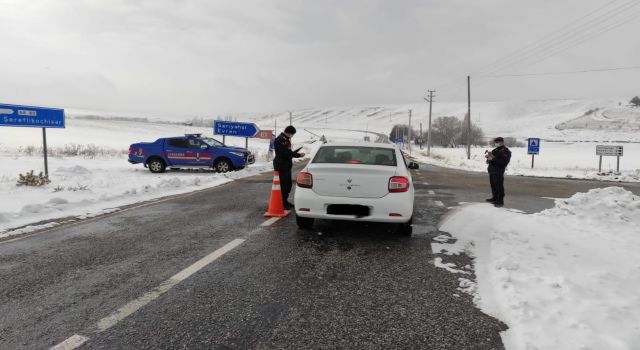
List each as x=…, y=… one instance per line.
x=498, y=159
x=283, y=162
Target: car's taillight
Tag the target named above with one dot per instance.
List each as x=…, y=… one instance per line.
x=398, y=184
x=304, y=180
x=131, y=150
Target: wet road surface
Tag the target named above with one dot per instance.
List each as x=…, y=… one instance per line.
x=200, y=272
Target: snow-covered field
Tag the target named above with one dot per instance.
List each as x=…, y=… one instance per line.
x=567, y=159
x=566, y=278
x=89, y=170
x=82, y=187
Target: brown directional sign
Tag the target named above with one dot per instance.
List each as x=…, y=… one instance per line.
x=265, y=134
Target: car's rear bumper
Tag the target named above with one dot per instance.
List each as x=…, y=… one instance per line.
x=134, y=161
x=308, y=204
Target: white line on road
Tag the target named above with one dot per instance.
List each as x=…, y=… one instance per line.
x=270, y=221
x=71, y=343
x=137, y=304
x=431, y=192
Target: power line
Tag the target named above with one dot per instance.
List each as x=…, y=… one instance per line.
x=525, y=48
x=560, y=73
x=579, y=34
x=588, y=37
x=570, y=35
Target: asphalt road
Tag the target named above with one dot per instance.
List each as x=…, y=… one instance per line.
x=239, y=285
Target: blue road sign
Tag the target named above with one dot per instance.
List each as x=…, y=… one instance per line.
x=533, y=145
x=221, y=127
x=32, y=117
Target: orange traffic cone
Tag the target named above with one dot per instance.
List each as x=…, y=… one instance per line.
x=276, y=208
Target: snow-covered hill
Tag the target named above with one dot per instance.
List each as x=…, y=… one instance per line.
x=520, y=119
x=606, y=121
x=549, y=119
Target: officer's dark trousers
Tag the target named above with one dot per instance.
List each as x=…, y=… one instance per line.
x=496, y=178
x=285, y=183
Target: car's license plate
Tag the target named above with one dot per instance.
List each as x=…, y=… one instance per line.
x=348, y=209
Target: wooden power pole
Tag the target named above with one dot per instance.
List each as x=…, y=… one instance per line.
x=468, y=117
x=430, y=100
x=409, y=131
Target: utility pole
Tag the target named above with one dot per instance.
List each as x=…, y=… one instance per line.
x=409, y=131
x=290, y=118
x=420, y=137
x=468, y=117
x=430, y=100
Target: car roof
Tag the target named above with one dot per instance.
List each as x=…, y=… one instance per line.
x=360, y=144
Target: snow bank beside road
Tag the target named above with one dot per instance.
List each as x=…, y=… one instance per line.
x=86, y=187
x=565, y=278
x=568, y=160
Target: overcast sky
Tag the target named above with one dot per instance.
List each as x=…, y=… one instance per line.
x=188, y=57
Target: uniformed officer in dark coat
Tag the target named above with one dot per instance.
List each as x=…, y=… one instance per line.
x=498, y=159
x=283, y=162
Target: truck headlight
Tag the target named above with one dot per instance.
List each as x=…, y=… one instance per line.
x=239, y=154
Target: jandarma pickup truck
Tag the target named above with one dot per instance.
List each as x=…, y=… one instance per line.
x=189, y=151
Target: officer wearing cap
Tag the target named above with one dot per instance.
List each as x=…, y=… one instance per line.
x=498, y=159
x=283, y=162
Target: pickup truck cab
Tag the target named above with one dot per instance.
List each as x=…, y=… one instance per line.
x=189, y=151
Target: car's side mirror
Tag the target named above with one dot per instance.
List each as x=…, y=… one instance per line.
x=413, y=165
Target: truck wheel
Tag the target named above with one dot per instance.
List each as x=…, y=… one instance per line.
x=304, y=223
x=222, y=165
x=156, y=165
x=405, y=229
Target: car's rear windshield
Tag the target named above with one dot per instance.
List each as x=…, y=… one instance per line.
x=356, y=155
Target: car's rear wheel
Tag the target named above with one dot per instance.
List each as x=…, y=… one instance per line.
x=405, y=229
x=305, y=223
x=222, y=165
x=156, y=165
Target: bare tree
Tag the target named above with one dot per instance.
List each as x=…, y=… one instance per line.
x=445, y=130
x=477, y=135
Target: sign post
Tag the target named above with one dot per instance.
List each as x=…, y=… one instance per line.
x=533, y=148
x=613, y=151
x=33, y=117
x=238, y=129
x=44, y=151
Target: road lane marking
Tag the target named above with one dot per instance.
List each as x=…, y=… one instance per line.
x=432, y=192
x=137, y=304
x=274, y=219
x=270, y=222
x=71, y=343
x=438, y=203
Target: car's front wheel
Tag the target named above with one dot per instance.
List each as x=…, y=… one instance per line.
x=304, y=223
x=405, y=229
x=222, y=165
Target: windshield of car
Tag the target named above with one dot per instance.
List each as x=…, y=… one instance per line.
x=356, y=155
x=212, y=142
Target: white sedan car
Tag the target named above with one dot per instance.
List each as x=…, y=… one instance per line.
x=358, y=182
